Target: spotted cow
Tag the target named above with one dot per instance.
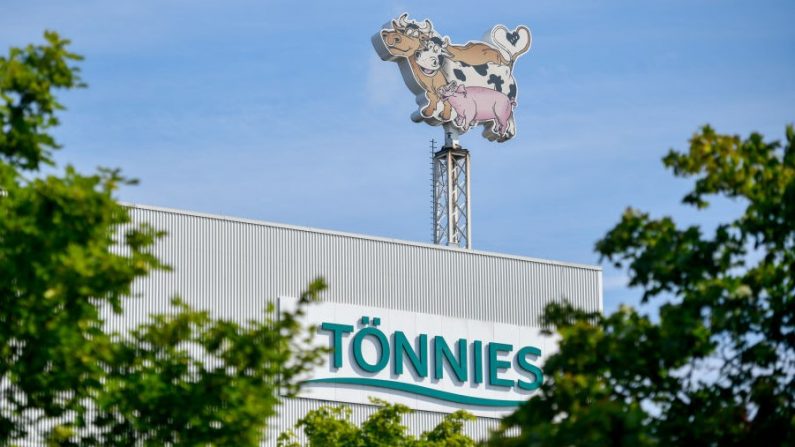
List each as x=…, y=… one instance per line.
x=434, y=62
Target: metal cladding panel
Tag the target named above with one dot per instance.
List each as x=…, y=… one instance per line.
x=235, y=267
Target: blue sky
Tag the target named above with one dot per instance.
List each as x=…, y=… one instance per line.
x=282, y=111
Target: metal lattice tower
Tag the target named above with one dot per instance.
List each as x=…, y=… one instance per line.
x=451, y=204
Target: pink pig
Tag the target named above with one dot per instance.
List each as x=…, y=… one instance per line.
x=477, y=104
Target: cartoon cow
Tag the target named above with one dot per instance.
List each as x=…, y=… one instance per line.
x=409, y=40
x=475, y=105
x=429, y=63
x=435, y=55
x=479, y=64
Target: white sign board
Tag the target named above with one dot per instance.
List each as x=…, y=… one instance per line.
x=427, y=362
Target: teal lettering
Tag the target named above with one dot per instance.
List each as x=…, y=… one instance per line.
x=521, y=359
x=496, y=365
x=337, y=330
x=401, y=346
x=383, y=354
x=477, y=361
x=442, y=352
x=415, y=353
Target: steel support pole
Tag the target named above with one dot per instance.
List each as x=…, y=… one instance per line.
x=451, y=220
x=469, y=205
x=452, y=208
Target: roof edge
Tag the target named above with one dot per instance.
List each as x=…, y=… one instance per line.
x=357, y=236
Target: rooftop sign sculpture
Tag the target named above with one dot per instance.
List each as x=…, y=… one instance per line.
x=458, y=85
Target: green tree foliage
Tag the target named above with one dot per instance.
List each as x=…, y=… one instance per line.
x=332, y=426
x=68, y=257
x=717, y=366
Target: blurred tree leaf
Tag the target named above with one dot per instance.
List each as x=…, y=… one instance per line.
x=68, y=255
x=332, y=426
x=717, y=368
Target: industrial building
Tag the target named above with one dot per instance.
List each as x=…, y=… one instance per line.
x=477, y=312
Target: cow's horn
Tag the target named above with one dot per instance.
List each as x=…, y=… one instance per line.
x=402, y=20
x=427, y=26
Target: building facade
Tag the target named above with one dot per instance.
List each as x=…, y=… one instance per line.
x=235, y=267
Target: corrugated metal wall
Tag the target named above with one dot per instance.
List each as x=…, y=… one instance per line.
x=234, y=267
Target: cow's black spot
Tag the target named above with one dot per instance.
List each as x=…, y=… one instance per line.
x=496, y=81
x=438, y=40
x=512, y=38
x=460, y=75
x=481, y=69
x=512, y=91
x=464, y=64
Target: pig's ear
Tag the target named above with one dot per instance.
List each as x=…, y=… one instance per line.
x=461, y=89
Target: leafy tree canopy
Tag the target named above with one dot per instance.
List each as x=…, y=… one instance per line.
x=332, y=426
x=717, y=366
x=68, y=257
